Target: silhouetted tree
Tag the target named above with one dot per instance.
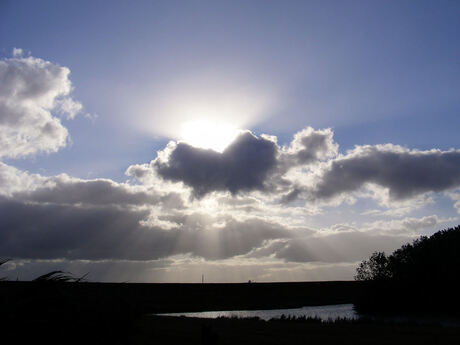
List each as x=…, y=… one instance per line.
x=376, y=268
x=420, y=275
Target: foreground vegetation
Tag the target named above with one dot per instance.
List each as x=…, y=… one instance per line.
x=181, y=330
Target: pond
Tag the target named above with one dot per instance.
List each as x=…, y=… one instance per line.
x=324, y=312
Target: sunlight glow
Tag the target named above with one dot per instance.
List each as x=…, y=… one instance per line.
x=208, y=135
x=223, y=99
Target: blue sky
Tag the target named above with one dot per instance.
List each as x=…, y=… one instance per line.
x=371, y=72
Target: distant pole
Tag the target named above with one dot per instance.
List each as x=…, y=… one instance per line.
x=202, y=278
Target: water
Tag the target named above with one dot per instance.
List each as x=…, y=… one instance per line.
x=324, y=312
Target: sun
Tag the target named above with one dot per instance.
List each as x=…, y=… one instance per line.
x=208, y=134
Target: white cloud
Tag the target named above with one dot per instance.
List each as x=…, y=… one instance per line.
x=90, y=116
x=31, y=89
x=17, y=52
x=408, y=226
x=68, y=107
x=310, y=146
x=455, y=196
x=13, y=180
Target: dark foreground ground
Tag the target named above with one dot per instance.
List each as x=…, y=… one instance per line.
x=100, y=313
x=154, y=330
x=180, y=330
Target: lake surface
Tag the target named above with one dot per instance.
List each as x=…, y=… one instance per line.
x=324, y=312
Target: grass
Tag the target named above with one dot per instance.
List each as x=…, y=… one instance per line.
x=2, y=262
x=59, y=277
x=182, y=330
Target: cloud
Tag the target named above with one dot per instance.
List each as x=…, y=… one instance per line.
x=338, y=247
x=250, y=206
x=17, y=52
x=408, y=226
x=31, y=89
x=346, y=243
x=249, y=163
x=455, y=196
x=62, y=217
x=69, y=108
x=404, y=173
x=14, y=180
x=65, y=190
x=48, y=231
x=312, y=146
x=415, y=224
x=112, y=232
x=243, y=166
x=308, y=169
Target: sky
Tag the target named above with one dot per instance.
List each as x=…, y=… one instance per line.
x=159, y=141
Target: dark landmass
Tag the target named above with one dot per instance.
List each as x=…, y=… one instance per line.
x=166, y=298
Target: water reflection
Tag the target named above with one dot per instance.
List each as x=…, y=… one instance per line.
x=324, y=312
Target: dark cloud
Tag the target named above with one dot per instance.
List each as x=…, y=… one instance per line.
x=405, y=173
x=229, y=239
x=252, y=163
x=249, y=163
x=65, y=190
x=291, y=195
x=242, y=166
x=110, y=232
x=48, y=231
x=89, y=192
